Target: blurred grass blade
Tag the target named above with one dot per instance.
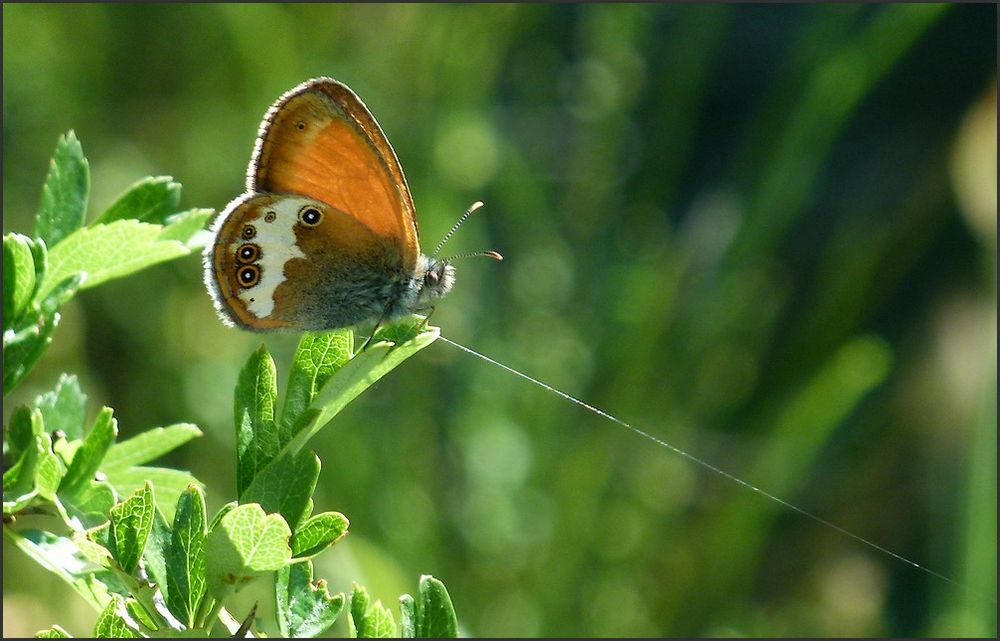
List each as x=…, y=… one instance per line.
x=834, y=91
x=801, y=428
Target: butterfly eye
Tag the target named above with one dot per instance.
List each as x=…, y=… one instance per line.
x=249, y=275
x=249, y=232
x=248, y=253
x=431, y=278
x=310, y=216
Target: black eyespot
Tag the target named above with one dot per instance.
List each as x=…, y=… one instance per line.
x=249, y=232
x=310, y=216
x=248, y=253
x=249, y=275
x=300, y=125
x=270, y=216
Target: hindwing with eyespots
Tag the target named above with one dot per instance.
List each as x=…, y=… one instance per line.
x=275, y=252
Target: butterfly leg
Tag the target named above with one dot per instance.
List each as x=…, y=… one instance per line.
x=378, y=324
x=430, y=310
x=374, y=331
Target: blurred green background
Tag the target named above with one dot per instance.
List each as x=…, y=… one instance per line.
x=765, y=234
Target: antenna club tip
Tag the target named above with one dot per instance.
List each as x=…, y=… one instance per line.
x=495, y=255
x=476, y=205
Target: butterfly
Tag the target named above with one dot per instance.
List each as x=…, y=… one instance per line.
x=325, y=235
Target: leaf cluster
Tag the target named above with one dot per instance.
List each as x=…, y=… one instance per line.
x=135, y=540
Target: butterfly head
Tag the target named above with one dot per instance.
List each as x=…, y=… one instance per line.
x=438, y=278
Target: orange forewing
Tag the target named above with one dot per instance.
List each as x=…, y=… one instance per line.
x=319, y=140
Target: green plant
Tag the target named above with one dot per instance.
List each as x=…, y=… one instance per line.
x=133, y=540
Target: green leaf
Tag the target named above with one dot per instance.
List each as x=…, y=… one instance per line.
x=20, y=431
x=149, y=445
x=318, y=533
x=402, y=331
x=64, y=195
x=114, y=622
x=61, y=556
x=88, y=457
x=285, y=486
x=155, y=553
x=169, y=483
x=185, y=225
x=317, y=358
x=131, y=522
x=186, y=557
x=246, y=543
x=366, y=621
x=256, y=435
x=19, y=480
x=90, y=505
x=149, y=200
x=66, y=449
x=64, y=408
x=407, y=617
x=24, y=346
x=55, y=632
x=378, y=623
x=49, y=471
x=435, y=613
x=359, y=605
x=40, y=256
x=109, y=251
x=140, y=615
x=224, y=510
x=308, y=510
x=37, y=471
x=361, y=372
x=304, y=609
x=93, y=544
x=18, y=277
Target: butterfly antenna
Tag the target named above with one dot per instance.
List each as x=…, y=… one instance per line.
x=488, y=254
x=468, y=212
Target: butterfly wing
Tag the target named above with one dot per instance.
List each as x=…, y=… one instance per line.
x=282, y=261
x=320, y=141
